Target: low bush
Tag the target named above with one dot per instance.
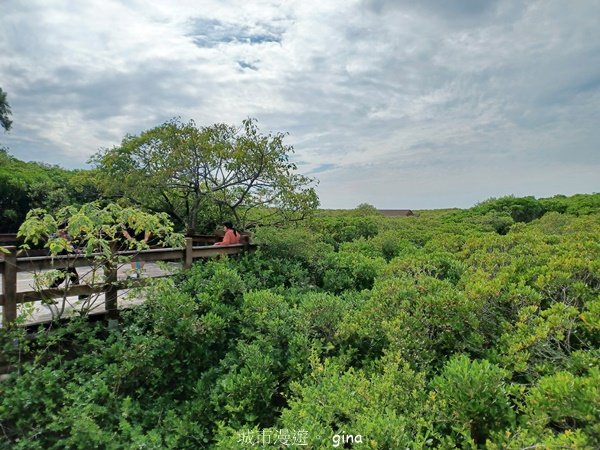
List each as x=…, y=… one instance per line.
x=353, y=331
x=470, y=400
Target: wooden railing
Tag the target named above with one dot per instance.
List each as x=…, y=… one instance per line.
x=8, y=239
x=199, y=239
x=11, y=264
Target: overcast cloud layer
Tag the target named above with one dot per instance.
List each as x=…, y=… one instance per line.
x=401, y=106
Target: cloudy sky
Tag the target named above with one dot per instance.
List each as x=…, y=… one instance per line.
x=438, y=105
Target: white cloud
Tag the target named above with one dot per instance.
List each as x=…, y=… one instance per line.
x=378, y=96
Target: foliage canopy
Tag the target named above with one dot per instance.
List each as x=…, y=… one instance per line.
x=28, y=185
x=5, y=111
x=202, y=175
x=432, y=331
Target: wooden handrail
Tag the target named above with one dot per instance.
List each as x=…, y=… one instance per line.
x=8, y=237
x=11, y=264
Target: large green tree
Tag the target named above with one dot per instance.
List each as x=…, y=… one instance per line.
x=28, y=185
x=4, y=111
x=201, y=175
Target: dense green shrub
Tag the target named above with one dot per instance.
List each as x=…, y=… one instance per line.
x=337, y=230
x=385, y=407
x=28, y=185
x=289, y=257
x=470, y=400
x=498, y=221
x=387, y=244
x=579, y=204
x=440, y=265
x=521, y=209
x=432, y=331
x=346, y=271
x=563, y=401
x=424, y=321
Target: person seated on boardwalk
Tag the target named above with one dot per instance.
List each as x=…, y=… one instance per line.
x=130, y=238
x=231, y=235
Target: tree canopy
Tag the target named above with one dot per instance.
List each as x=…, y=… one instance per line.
x=94, y=227
x=28, y=185
x=203, y=175
x=436, y=331
x=96, y=232
x=4, y=111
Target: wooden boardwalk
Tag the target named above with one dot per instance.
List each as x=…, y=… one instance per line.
x=110, y=291
x=43, y=313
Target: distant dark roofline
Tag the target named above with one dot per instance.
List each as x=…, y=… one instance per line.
x=396, y=212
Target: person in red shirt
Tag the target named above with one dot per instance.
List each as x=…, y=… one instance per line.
x=231, y=235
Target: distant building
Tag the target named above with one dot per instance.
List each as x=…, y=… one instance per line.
x=396, y=212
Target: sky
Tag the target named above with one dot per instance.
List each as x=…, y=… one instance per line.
x=395, y=103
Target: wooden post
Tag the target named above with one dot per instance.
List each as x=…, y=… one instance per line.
x=188, y=255
x=9, y=287
x=110, y=288
x=245, y=239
